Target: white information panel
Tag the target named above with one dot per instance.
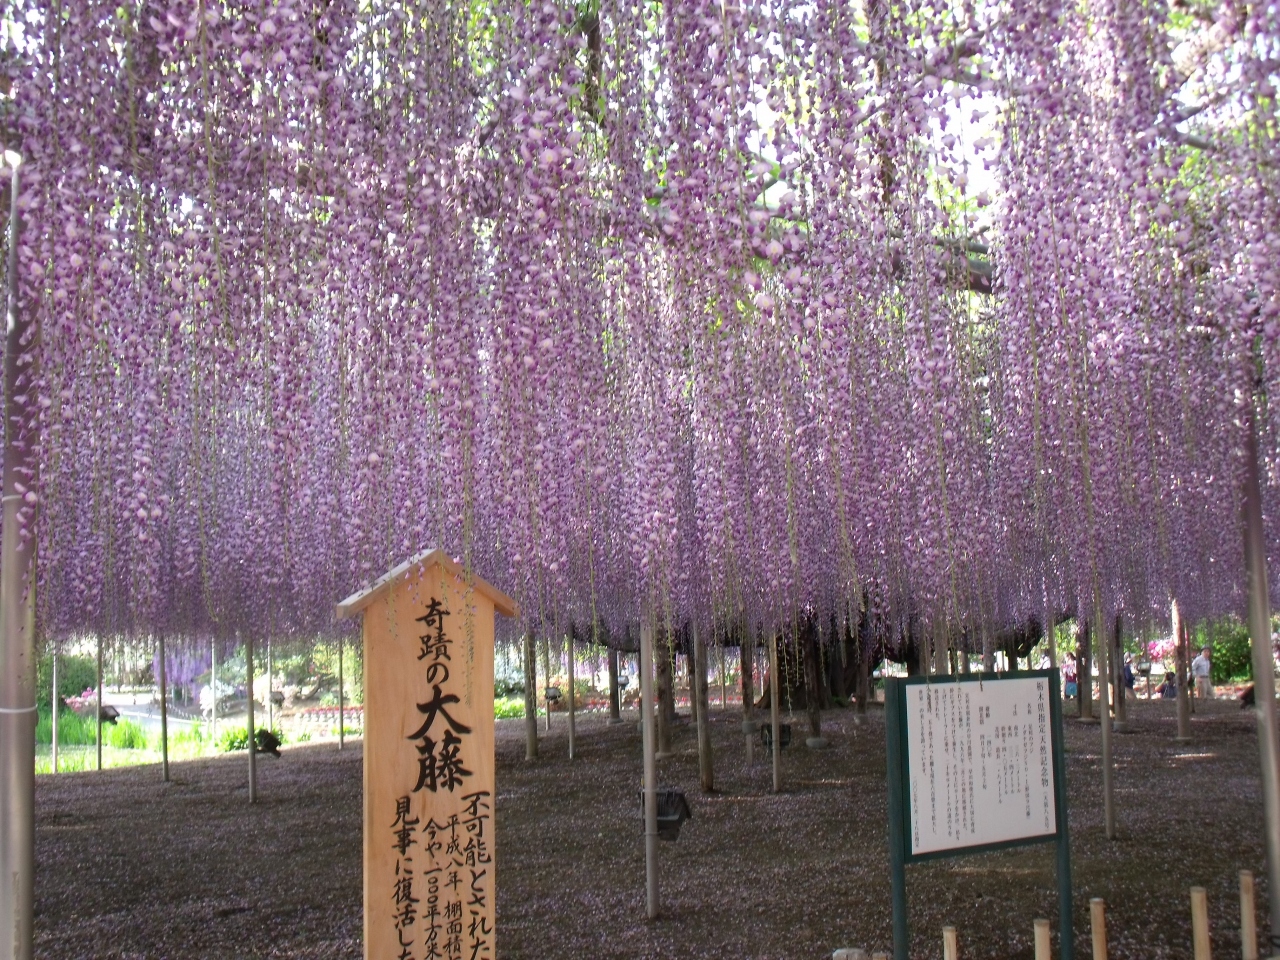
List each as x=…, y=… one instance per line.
x=980, y=763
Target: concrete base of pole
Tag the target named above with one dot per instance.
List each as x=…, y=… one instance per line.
x=751, y=727
x=663, y=756
x=817, y=743
x=614, y=721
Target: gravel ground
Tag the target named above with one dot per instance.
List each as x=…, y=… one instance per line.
x=128, y=867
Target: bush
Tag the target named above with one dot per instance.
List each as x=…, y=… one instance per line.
x=237, y=738
x=73, y=729
x=1232, y=651
x=504, y=708
x=75, y=674
x=123, y=735
x=506, y=688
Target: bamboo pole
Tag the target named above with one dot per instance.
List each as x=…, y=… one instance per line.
x=650, y=770
x=774, y=718
x=1098, y=927
x=164, y=714
x=1264, y=689
x=1043, y=951
x=1248, y=918
x=1200, y=924
x=950, y=944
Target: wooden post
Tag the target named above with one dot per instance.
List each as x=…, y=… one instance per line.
x=164, y=714
x=1248, y=918
x=1200, y=924
x=650, y=770
x=530, y=697
x=1043, y=951
x=950, y=944
x=698, y=695
x=774, y=712
x=745, y=663
x=1084, y=669
x=1098, y=927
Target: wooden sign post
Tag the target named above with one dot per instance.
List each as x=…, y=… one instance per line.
x=428, y=760
x=975, y=764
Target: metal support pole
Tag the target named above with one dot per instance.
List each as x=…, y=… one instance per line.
x=530, y=698
x=164, y=715
x=1264, y=683
x=650, y=770
x=774, y=711
x=17, y=594
x=271, y=704
x=213, y=689
x=99, y=718
x=342, y=717
x=572, y=701
x=1102, y=649
x=53, y=699
x=253, y=743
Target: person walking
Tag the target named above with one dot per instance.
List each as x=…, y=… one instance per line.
x=1201, y=667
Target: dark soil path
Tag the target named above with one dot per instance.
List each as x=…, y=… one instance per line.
x=128, y=867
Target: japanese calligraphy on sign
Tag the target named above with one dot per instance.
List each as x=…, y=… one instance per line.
x=428, y=761
x=979, y=763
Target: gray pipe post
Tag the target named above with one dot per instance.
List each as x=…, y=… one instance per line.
x=1264, y=689
x=98, y=736
x=342, y=721
x=17, y=592
x=572, y=702
x=650, y=770
x=53, y=699
x=774, y=712
x=213, y=689
x=271, y=705
x=253, y=744
x=164, y=715
x=1102, y=648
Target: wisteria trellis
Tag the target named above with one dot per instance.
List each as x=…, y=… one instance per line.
x=643, y=306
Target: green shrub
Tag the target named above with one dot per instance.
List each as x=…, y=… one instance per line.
x=237, y=738
x=185, y=735
x=504, y=708
x=123, y=735
x=505, y=689
x=1232, y=652
x=73, y=729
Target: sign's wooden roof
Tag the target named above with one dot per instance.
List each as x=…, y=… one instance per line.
x=361, y=599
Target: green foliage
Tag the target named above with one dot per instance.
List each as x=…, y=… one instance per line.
x=504, y=708
x=186, y=738
x=75, y=675
x=505, y=687
x=123, y=735
x=1232, y=652
x=237, y=738
x=73, y=729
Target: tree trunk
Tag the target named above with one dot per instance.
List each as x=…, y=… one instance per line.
x=813, y=685
x=1084, y=668
x=1121, y=691
x=745, y=659
x=698, y=694
x=666, y=695
x=615, y=704
x=1180, y=665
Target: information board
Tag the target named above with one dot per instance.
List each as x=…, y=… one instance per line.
x=975, y=764
x=979, y=763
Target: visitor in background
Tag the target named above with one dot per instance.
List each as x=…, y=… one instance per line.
x=1069, y=676
x=1200, y=669
x=1129, y=691
x=1169, y=689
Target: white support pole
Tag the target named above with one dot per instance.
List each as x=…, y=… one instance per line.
x=271, y=705
x=17, y=594
x=213, y=690
x=1264, y=681
x=342, y=719
x=98, y=735
x=573, y=705
x=648, y=735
